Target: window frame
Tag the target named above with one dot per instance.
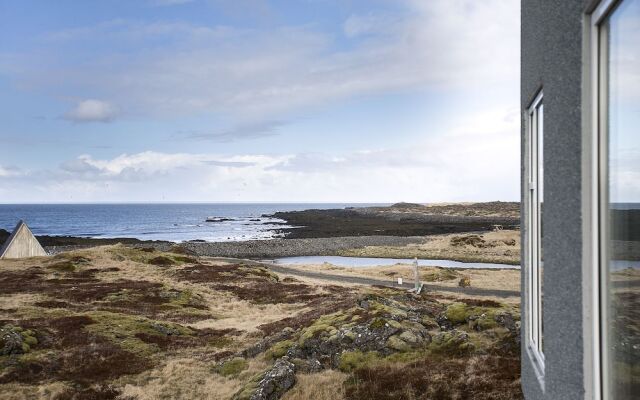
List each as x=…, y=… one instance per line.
x=533, y=284
x=599, y=107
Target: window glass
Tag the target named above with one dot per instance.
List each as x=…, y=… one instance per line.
x=540, y=204
x=622, y=236
x=535, y=228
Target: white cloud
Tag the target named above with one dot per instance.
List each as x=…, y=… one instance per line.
x=92, y=111
x=474, y=161
x=258, y=77
x=7, y=172
x=151, y=164
x=266, y=73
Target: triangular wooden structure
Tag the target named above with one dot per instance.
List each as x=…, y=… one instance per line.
x=22, y=243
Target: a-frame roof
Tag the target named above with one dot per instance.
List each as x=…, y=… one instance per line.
x=22, y=243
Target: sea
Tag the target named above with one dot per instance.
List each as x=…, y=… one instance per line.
x=170, y=222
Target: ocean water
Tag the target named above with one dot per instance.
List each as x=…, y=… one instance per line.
x=172, y=222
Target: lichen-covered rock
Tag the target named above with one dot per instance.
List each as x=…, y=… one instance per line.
x=307, y=366
x=457, y=313
x=396, y=343
x=506, y=320
x=280, y=378
x=15, y=340
x=482, y=322
x=452, y=342
x=444, y=322
x=327, y=345
x=268, y=342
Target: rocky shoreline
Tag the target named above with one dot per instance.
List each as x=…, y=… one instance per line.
x=402, y=219
x=261, y=249
x=295, y=247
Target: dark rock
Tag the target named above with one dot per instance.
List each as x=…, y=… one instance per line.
x=15, y=340
x=266, y=343
x=280, y=378
x=165, y=330
x=453, y=342
x=506, y=320
x=307, y=366
x=218, y=219
x=10, y=341
x=444, y=322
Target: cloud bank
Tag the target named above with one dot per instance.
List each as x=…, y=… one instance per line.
x=472, y=162
x=183, y=68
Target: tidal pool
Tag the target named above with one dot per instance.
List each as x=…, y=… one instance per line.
x=363, y=262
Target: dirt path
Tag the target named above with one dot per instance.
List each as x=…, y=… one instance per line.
x=372, y=282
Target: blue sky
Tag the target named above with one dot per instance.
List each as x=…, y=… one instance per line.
x=255, y=100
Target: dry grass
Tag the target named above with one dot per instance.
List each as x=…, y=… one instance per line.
x=500, y=247
x=49, y=391
x=326, y=385
x=110, y=324
x=187, y=378
x=97, y=308
x=477, y=377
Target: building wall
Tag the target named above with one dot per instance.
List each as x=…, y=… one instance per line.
x=552, y=60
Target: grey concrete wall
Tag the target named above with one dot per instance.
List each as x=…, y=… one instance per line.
x=551, y=59
x=22, y=244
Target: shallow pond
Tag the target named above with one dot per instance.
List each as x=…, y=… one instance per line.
x=363, y=262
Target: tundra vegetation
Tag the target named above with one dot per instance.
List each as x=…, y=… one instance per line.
x=116, y=322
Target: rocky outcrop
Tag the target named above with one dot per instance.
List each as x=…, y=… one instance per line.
x=276, y=381
x=271, y=384
x=15, y=340
x=452, y=342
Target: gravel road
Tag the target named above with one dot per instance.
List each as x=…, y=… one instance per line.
x=390, y=283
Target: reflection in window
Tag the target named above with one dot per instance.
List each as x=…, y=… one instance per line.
x=539, y=232
x=620, y=59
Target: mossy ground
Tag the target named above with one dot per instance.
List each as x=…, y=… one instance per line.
x=232, y=367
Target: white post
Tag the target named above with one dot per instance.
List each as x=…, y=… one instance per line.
x=416, y=277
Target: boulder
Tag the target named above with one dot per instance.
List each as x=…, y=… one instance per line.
x=15, y=340
x=276, y=381
x=452, y=342
x=506, y=320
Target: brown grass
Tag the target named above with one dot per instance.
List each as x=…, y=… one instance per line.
x=492, y=247
x=186, y=378
x=80, y=357
x=96, y=313
x=326, y=385
x=478, y=378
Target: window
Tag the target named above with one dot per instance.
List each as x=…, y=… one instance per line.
x=616, y=44
x=534, y=232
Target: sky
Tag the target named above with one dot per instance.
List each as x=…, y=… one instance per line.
x=259, y=101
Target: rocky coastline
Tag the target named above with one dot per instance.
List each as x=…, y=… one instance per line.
x=331, y=232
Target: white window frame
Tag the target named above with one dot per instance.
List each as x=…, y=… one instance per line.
x=599, y=65
x=533, y=295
